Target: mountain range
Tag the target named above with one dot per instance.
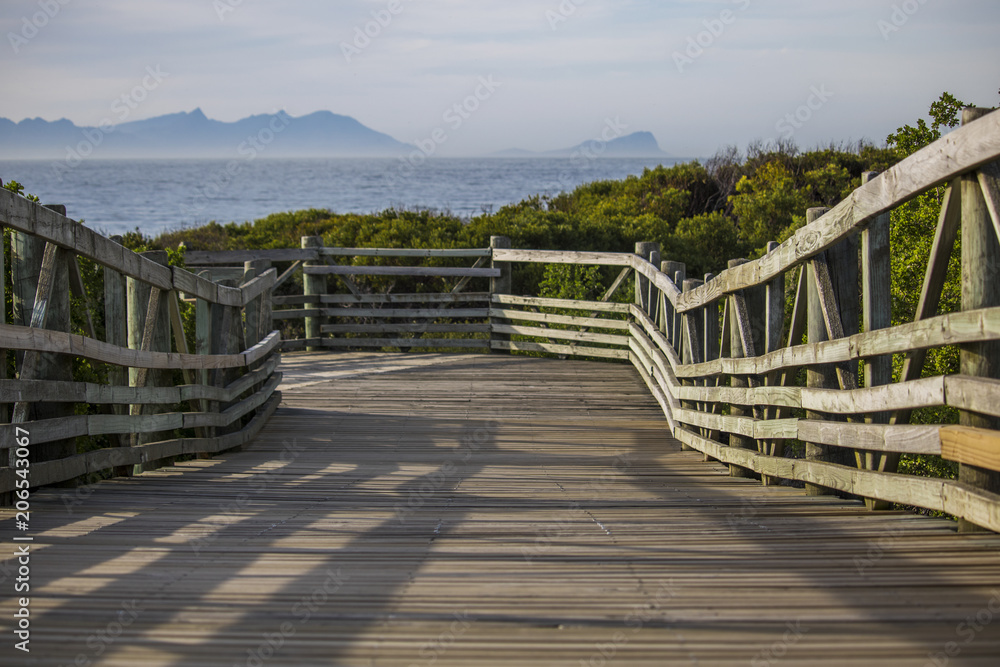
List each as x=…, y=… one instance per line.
x=194, y=135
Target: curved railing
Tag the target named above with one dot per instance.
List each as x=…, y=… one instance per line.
x=140, y=414
x=804, y=393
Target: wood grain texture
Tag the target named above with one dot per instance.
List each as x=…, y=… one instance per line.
x=428, y=271
x=404, y=512
x=956, y=153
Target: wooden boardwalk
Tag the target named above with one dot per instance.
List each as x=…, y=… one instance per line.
x=487, y=510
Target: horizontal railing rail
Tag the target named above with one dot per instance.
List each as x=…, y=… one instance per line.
x=795, y=385
x=119, y=360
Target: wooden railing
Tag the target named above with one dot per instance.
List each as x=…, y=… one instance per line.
x=723, y=355
x=126, y=379
x=804, y=393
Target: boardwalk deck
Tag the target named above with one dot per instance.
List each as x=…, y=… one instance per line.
x=487, y=510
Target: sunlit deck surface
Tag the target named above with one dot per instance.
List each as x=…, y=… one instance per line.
x=432, y=509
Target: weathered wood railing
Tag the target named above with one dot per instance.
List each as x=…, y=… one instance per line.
x=122, y=377
x=722, y=356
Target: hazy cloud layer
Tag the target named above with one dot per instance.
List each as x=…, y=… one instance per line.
x=698, y=74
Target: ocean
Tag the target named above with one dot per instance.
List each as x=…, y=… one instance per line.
x=114, y=196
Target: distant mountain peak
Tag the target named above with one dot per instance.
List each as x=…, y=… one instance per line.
x=636, y=144
x=193, y=134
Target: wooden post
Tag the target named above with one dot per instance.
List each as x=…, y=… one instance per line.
x=693, y=329
x=226, y=339
x=203, y=345
x=671, y=269
x=679, y=276
x=774, y=323
x=27, y=254
x=313, y=285
x=653, y=292
x=876, y=313
x=152, y=335
x=643, y=249
x=710, y=327
x=116, y=333
x=500, y=285
x=254, y=320
x=737, y=350
x=980, y=289
x=821, y=377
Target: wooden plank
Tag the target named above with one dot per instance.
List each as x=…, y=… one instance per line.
x=429, y=297
x=405, y=252
x=568, y=304
x=288, y=273
x=537, y=497
x=386, y=313
x=561, y=257
x=405, y=328
x=427, y=271
x=744, y=426
x=238, y=257
x=86, y=392
x=43, y=340
x=975, y=394
x=464, y=282
x=550, y=318
x=935, y=494
x=256, y=287
x=407, y=342
x=62, y=470
x=950, y=329
x=875, y=437
x=560, y=334
x=572, y=350
x=971, y=446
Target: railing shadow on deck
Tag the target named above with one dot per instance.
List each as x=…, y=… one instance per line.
x=357, y=598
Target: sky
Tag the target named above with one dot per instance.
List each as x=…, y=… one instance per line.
x=533, y=74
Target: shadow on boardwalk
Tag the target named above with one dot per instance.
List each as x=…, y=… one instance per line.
x=488, y=510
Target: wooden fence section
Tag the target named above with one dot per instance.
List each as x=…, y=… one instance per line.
x=723, y=359
x=785, y=367
x=134, y=379
x=368, y=313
